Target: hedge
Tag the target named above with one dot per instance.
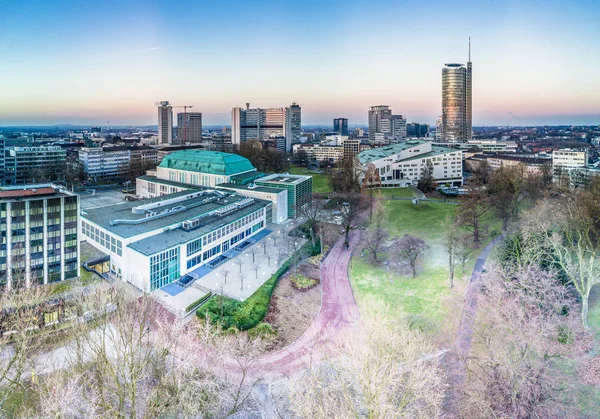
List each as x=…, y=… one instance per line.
x=245, y=314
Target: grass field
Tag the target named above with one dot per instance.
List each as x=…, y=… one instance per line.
x=427, y=299
x=391, y=192
x=321, y=182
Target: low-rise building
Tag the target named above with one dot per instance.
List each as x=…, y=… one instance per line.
x=24, y=165
x=299, y=189
x=532, y=164
x=320, y=153
x=154, y=242
x=38, y=235
x=403, y=164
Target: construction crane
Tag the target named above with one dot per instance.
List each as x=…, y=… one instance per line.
x=185, y=128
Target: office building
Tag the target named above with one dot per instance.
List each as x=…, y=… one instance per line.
x=38, y=235
x=104, y=163
x=293, y=126
x=531, y=165
x=264, y=124
x=402, y=164
x=320, y=152
x=155, y=242
x=415, y=130
x=351, y=147
x=379, y=120
x=569, y=159
x=189, y=127
x=457, y=102
x=397, y=126
x=165, y=123
x=24, y=165
x=340, y=125
x=299, y=189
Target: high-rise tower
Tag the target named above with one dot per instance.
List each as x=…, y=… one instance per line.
x=165, y=123
x=457, y=102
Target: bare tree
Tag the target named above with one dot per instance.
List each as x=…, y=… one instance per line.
x=384, y=369
x=506, y=187
x=411, y=249
x=522, y=324
x=311, y=209
x=253, y=251
x=450, y=241
x=351, y=208
x=238, y=261
x=376, y=234
x=472, y=208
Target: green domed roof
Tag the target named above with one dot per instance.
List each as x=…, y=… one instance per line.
x=204, y=161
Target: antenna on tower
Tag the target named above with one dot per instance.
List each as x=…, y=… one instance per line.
x=469, y=49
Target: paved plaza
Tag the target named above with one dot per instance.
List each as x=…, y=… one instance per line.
x=241, y=275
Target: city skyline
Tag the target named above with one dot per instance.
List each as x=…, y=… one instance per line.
x=92, y=63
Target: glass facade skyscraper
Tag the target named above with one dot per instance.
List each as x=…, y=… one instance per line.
x=457, y=102
x=340, y=125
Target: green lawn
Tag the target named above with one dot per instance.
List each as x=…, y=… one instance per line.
x=321, y=182
x=426, y=299
x=391, y=192
x=594, y=314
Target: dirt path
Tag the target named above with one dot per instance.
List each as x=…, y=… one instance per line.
x=456, y=360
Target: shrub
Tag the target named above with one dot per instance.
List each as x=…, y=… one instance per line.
x=244, y=315
x=302, y=283
x=421, y=323
x=262, y=330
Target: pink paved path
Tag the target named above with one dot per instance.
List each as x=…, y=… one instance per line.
x=338, y=311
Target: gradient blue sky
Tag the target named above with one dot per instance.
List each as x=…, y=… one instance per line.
x=75, y=61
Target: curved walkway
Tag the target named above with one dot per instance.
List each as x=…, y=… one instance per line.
x=456, y=361
x=338, y=311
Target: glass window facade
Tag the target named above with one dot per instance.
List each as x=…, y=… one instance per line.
x=164, y=268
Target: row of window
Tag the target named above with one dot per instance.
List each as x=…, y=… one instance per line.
x=103, y=239
x=223, y=231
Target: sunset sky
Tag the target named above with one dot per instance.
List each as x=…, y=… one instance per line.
x=86, y=62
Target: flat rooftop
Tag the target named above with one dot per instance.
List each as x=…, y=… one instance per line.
x=124, y=222
x=264, y=189
x=284, y=179
x=154, y=179
x=29, y=192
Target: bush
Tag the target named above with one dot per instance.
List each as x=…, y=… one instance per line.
x=421, y=323
x=302, y=283
x=262, y=330
x=244, y=315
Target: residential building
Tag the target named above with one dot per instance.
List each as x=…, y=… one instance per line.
x=351, y=147
x=24, y=165
x=403, y=164
x=189, y=127
x=38, y=235
x=321, y=153
x=299, y=189
x=569, y=159
x=377, y=114
x=457, y=102
x=531, y=164
x=340, y=125
x=155, y=242
x=494, y=146
x=263, y=124
x=165, y=123
x=104, y=163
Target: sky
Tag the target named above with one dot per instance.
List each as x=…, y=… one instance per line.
x=89, y=62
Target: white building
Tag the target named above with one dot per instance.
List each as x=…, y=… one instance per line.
x=103, y=163
x=569, y=159
x=322, y=153
x=402, y=164
x=38, y=235
x=155, y=242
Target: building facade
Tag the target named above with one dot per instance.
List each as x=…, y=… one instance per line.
x=189, y=127
x=2, y=160
x=340, y=125
x=155, y=242
x=378, y=115
x=417, y=130
x=403, y=164
x=266, y=123
x=24, y=165
x=299, y=189
x=321, y=153
x=38, y=235
x=165, y=123
x=104, y=163
x=457, y=102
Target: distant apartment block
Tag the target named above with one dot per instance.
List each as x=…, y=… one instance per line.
x=531, y=165
x=569, y=159
x=165, y=123
x=115, y=162
x=320, y=153
x=403, y=164
x=24, y=165
x=38, y=235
